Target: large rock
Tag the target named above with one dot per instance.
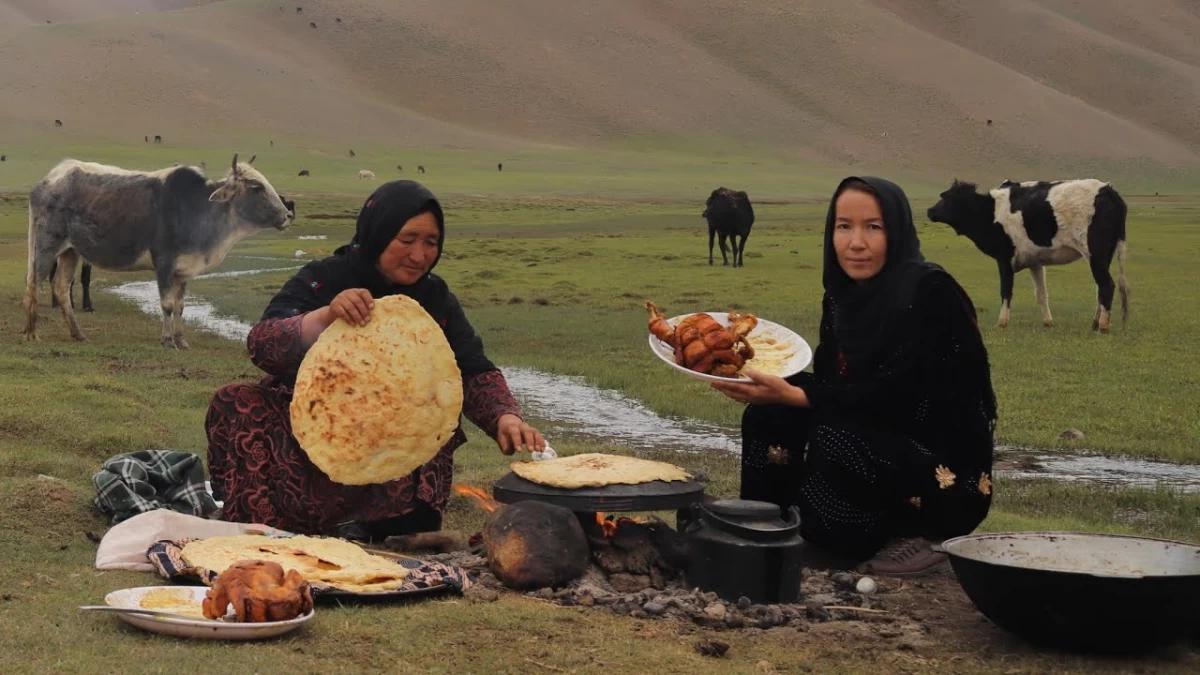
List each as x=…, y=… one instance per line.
x=532, y=544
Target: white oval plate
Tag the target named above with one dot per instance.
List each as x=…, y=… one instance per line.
x=765, y=330
x=131, y=598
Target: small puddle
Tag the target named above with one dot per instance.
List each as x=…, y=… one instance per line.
x=1098, y=469
x=572, y=408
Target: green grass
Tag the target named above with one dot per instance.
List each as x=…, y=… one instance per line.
x=554, y=280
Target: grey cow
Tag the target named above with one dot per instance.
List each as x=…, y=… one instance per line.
x=173, y=221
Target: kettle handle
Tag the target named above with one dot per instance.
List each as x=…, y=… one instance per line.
x=792, y=515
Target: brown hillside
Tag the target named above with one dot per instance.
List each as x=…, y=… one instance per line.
x=904, y=83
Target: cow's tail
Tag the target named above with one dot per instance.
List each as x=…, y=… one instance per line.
x=1122, y=285
x=31, y=265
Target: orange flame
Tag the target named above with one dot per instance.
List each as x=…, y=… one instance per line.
x=607, y=523
x=478, y=495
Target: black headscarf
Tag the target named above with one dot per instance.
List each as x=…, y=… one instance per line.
x=866, y=315
x=355, y=266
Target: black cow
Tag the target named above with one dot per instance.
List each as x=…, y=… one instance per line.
x=3, y=158
x=729, y=216
x=420, y=168
x=173, y=221
x=157, y=138
x=1035, y=224
x=58, y=123
x=303, y=172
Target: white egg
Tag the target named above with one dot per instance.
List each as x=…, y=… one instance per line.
x=866, y=586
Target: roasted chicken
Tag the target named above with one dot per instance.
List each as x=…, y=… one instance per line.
x=704, y=345
x=259, y=591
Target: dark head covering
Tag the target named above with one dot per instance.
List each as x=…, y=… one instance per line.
x=355, y=266
x=866, y=314
x=379, y=221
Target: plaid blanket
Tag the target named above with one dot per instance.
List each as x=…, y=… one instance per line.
x=136, y=482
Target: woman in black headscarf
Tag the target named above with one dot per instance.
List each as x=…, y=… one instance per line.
x=255, y=463
x=888, y=443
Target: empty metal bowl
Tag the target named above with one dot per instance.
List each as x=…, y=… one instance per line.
x=1094, y=592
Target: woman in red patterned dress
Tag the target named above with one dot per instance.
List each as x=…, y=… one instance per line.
x=255, y=463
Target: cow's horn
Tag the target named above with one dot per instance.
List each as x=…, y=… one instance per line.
x=252, y=158
x=235, y=163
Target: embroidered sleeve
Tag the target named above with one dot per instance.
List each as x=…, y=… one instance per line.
x=275, y=346
x=486, y=397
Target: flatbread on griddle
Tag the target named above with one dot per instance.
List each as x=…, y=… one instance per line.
x=595, y=469
x=372, y=403
x=321, y=561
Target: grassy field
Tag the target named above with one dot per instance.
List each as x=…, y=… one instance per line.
x=553, y=279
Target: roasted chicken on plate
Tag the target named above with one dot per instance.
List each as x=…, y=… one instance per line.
x=702, y=344
x=259, y=591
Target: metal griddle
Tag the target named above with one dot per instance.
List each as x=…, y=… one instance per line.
x=653, y=496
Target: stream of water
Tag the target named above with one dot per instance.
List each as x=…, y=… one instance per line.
x=573, y=408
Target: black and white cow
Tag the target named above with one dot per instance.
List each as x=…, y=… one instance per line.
x=730, y=217
x=1037, y=223
x=173, y=221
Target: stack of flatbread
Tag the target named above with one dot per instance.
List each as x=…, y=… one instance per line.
x=322, y=562
x=595, y=469
x=374, y=402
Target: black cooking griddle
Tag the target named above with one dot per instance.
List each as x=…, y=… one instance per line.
x=656, y=495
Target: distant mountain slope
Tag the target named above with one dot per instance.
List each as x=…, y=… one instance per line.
x=892, y=83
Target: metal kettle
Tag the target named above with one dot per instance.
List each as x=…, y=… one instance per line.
x=739, y=547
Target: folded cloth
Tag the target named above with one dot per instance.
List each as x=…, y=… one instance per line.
x=136, y=482
x=167, y=557
x=125, y=544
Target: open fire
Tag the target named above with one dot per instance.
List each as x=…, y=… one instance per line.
x=609, y=523
x=478, y=495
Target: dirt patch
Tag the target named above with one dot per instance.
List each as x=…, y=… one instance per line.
x=921, y=622
x=47, y=507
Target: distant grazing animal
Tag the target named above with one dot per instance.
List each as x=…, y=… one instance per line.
x=367, y=174
x=989, y=123
x=157, y=138
x=400, y=168
x=58, y=123
x=4, y=158
x=303, y=172
x=352, y=152
x=729, y=215
x=312, y=24
x=500, y=166
x=172, y=221
x=145, y=139
x=1034, y=224
x=420, y=168
x=299, y=9
x=272, y=142
x=337, y=19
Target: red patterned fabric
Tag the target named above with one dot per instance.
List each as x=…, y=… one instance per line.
x=263, y=475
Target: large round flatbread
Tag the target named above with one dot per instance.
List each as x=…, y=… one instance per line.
x=322, y=562
x=374, y=402
x=594, y=469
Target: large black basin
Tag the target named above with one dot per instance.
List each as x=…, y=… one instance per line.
x=1089, y=592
